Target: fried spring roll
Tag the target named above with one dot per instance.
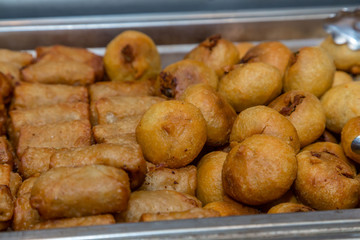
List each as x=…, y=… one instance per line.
x=6, y=152
x=6, y=203
x=3, y=117
x=35, y=160
x=161, y=178
x=112, y=109
x=5, y=170
x=126, y=157
x=33, y=95
x=80, y=191
x=20, y=58
x=26, y=186
x=11, y=71
x=127, y=138
x=25, y=216
x=76, y=222
x=126, y=89
x=56, y=135
x=6, y=87
x=15, y=183
x=192, y=213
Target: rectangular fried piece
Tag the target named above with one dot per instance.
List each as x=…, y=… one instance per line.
x=5, y=170
x=61, y=112
x=189, y=214
x=16, y=57
x=15, y=183
x=80, y=191
x=126, y=89
x=26, y=186
x=112, y=109
x=6, y=152
x=56, y=135
x=33, y=95
x=76, y=222
x=127, y=138
x=35, y=160
x=6, y=87
x=6, y=203
x=25, y=216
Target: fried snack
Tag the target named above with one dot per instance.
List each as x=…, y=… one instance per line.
x=25, y=216
x=123, y=128
x=5, y=88
x=112, y=109
x=350, y=131
x=264, y=120
x=251, y=84
x=75, y=133
x=325, y=181
x=243, y=48
x=132, y=56
x=61, y=112
x=327, y=137
x=3, y=117
x=27, y=185
x=288, y=197
x=341, y=103
x=156, y=201
x=171, y=133
x=80, y=55
x=126, y=89
x=209, y=182
x=330, y=148
x=216, y=52
x=127, y=157
x=58, y=69
x=218, y=113
x=16, y=57
x=258, y=170
x=6, y=203
x=75, y=222
x=274, y=53
x=35, y=160
x=6, y=152
x=175, y=78
x=290, y=208
x=312, y=70
x=5, y=225
x=80, y=191
x=5, y=171
x=160, y=178
x=15, y=183
x=11, y=72
x=304, y=111
x=127, y=138
x=188, y=214
x=345, y=59
x=33, y=95
x=341, y=77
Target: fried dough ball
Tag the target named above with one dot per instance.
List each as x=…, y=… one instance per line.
x=312, y=70
x=243, y=48
x=326, y=181
x=175, y=78
x=288, y=197
x=216, y=52
x=341, y=77
x=304, y=111
x=218, y=113
x=258, y=170
x=264, y=120
x=341, y=103
x=132, y=56
x=350, y=131
x=330, y=148
x=274, y=53
x=345, y=59
x=290, y=208
x=171, y=133
x=251, y=84
x=209, y=181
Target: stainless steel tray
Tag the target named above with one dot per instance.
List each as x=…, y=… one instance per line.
x=175, y=34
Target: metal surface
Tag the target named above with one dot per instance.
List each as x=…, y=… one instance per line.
x=355, y=145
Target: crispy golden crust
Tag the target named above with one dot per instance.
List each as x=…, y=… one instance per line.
x=16, y=57
x=35, y=160
x=6, y=87
x=350, y=131
x=80, y=191
x=288, y=197
x=341, y=77
x=290, y=208
x=25, y=216
x=15, y=183
x=26, y=186
x=6, y=203
x=228, y=207
x=6, y=151
x=5, y=170
x=243, y=48
x=11, y=72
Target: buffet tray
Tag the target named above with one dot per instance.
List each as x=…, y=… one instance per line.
x=175, y=34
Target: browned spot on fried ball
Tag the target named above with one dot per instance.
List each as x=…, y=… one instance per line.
x=290, y=108
x=211, y=42
x=127, y=53
x=168, y=84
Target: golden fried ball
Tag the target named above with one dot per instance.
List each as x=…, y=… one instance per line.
x=341, y=77
x=175, y=78
x=243, y=48
x=264, y=120
x=288, y=197
x=216, y=52
x=304, y=111
x=218, y=113
x=250, y=84
x=350, y=131
x=290, y=208
x=229, y=207
x=312, y=70
x=131, y=56
x=258, y=170
x=341, y=103
x=171, y=133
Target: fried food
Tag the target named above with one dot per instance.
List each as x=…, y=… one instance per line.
x=75, y=133
x=175, y=78
x=251, y=84
x=6, y=152
x=127, y=157
x=350, y=131
x=160, y=178
x=243, y=48
x=22, y=59
x=35, y=160
x=132, y=56
x=80, y=191
x=209, y=181
x=229, y=207
x=264, y=120
x=288, y=197
x=312, y=70
x=6, y=88
x=258, y=170
x=11, y=72
x=33, y=95
x=25, y=216
x=156, y=201
x=290, y=208
x=341, y=103
x=218, y=113
x=5, y=225
x=6, y=203
x=15, y=183
x=304, y=111
x=171, y=133
x=341, y=77
x=216, y=52
x=188, y=214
